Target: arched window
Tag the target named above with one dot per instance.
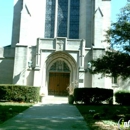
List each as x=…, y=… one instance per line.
x=59, y=66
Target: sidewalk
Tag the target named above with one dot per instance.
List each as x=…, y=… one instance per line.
x=52, y=114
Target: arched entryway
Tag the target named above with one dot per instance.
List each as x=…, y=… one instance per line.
x=61, y=70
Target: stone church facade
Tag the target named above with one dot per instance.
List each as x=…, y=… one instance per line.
x=53, y=42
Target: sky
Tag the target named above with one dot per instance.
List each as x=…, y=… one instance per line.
x=6, y=18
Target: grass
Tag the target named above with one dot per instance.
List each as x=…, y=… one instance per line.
x=10, y=109
x=104, y=117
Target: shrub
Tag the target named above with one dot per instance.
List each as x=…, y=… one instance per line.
x=122, y=97
x=19, y=93
x=93, y=95
x=105, y=109
x=127, y=117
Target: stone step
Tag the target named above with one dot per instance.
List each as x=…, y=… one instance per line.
x=54, y=100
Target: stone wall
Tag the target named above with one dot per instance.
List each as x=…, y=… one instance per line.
x=121, y=84
x=20, y=65
x=99, y=80
x=85, y=23
x=6, y=65
x=94, y=20
x=32, y=21
x=18, y=5
x=101, y=21
x=88, y=75
x=28, y=21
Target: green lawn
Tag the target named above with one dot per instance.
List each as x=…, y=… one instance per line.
x=10, y=109
x=104, y=117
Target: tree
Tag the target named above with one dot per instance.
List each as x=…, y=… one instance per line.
x=113, y=64
x=119, y=33
x=116, y=63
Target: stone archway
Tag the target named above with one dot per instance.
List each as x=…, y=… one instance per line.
x=62, y=67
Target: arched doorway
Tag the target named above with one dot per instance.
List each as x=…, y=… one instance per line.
x=59, y=78
x=59, y=66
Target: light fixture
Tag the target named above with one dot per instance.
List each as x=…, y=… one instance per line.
x=89, y=65
x=30, y=64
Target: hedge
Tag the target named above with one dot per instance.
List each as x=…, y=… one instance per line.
x=93, y=95
x=19, y=93
x=122, y=97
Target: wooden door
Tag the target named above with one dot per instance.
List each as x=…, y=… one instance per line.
x=58, y=83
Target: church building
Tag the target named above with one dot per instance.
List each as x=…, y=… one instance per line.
x=53, y=42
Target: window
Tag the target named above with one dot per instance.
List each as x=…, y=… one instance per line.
x=60, y=66
x=62, y=18
x=50, y=19
x=114, y=80
x=66, y=21
x=74, y=19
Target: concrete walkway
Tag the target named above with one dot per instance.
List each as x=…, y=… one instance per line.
x=53, y=113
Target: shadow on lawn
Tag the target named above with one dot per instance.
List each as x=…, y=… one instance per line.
x=104, y=117
x=9, y=110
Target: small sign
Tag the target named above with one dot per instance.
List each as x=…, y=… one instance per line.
x=80, y=80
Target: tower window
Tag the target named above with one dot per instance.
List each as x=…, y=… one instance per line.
x=50, y=19
x=62, y=18
x=74, y=19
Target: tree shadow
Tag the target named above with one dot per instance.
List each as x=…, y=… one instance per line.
x=104, y=117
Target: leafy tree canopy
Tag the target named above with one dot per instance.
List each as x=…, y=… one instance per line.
x=112, y=64
x=119, y=33
x=116, y=63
